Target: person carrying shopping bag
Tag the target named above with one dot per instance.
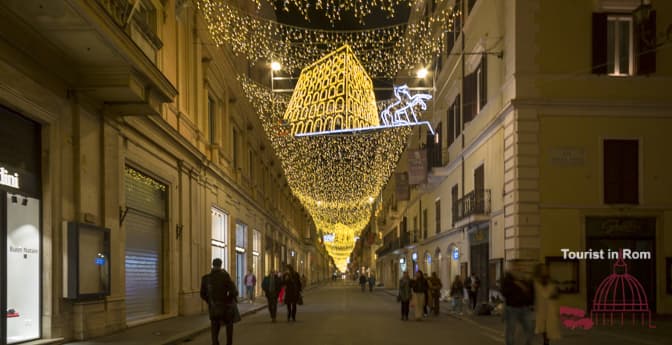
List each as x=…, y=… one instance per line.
x=419, y=286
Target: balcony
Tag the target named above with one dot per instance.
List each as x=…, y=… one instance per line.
x=96, y=47
x=474, y=207
x=388, y=247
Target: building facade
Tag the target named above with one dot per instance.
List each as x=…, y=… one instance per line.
x=130, y=158
x=551, y=137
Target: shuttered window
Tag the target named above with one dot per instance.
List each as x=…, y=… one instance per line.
x=624, y=43
x=621, y=172
x=146, y=203
x=220, y=236
x=437, y=212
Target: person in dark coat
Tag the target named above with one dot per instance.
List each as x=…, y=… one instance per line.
x=292, y=284
x=271, y=286
x=518, y=294
x=362, y=281
x=220, y=292
x=405, y=295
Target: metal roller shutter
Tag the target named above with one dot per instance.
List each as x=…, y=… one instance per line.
x=145, y=199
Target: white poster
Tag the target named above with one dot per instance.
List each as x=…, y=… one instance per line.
x=23, y=269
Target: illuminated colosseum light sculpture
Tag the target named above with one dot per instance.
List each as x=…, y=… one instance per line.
x=337, y=178
x=620, y=294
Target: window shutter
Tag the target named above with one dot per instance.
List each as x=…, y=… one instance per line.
x=451, y=124
x=483, y=83
x=612, y=169
x=645, y=38
x=458, y=116
x=600, y=43
x=469, y=97
x=630, y=174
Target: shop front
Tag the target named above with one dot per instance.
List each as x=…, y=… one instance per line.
x=479, y=250
x=20, y=229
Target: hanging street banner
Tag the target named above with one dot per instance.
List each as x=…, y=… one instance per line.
x=417, y=166
x=402, y=187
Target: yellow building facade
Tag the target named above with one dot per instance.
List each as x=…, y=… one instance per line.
x=570, y=141
x=144, y=132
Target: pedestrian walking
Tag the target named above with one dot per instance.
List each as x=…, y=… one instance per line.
x=293, y=288
x=419, y=286
x=362, y=281
x=519, y=297
x=434, y=285
x=457, y=294
x=219, y=291
x=404, y=295
x=271, y=284
x=250, y=283
x=473, y=284
x=545, y=305
x=372, y=282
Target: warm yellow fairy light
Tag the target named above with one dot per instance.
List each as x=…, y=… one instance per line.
x=383, y=51
x=334, y=177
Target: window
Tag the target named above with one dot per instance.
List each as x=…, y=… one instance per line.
x=415, y=229
x=250, y=164
x=424, y=222
x=236, y=164
x=454, y=202
x=453, y=120
x=437, y=212
x=482, y=80
x=220, y=236
x=621, y=172
x=624, y=44
x=475, y=96
x=619, y=45
x=212, y=125
x=241, y=236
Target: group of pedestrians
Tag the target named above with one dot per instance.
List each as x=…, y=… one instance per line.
x=423, y=293
x=529, y=303
x=363, y=280
x=221, y=294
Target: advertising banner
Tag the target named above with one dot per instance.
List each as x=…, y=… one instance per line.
x=417, y=166
x=402, y=187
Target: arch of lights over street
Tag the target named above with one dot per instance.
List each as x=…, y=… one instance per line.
x=335, y=176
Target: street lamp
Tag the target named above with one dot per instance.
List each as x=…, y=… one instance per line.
x=276, y=66
x=422, y=73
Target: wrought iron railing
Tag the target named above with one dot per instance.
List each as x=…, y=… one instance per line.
x=119, y=10
x=473, y=203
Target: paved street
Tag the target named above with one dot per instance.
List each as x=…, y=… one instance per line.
x=340, y=314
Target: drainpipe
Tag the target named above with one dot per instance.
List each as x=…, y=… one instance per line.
x=462, y=34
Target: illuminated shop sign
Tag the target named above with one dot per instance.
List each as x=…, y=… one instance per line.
x=456, y=253
x=9, y=180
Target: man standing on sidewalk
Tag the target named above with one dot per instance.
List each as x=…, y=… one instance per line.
x=271, y=286
x=473, y=284
x=250, y=284
x=519, y=297
x=219, y=292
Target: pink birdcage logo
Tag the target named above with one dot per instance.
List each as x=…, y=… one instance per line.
x=620, y=294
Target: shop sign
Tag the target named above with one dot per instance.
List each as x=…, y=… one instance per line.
x=9, y=180
x=456, y=253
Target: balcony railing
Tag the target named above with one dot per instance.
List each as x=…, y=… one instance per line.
x=476, y=202
x=119, y=10
x=388, y=247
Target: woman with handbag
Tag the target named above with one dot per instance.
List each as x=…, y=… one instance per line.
x=292, y=284
x=404, y=295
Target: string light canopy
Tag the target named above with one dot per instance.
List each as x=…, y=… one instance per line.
x=383, y=51
x=335, y=177
x=335, y=9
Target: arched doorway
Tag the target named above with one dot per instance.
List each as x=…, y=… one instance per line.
x=454, y=257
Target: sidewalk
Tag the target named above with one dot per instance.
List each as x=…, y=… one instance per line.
x=175, y=330
x=493, y=327
x=167, y=332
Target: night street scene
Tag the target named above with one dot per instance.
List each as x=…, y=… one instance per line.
x=336, y=172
